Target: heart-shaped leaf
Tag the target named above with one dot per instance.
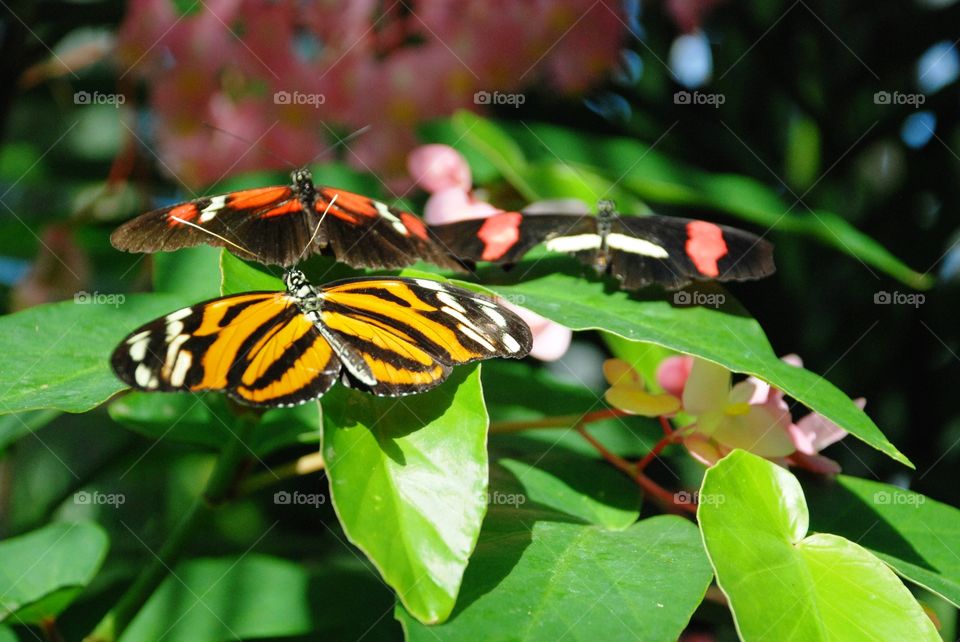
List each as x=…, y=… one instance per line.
x=408, y=478
x=784, y=584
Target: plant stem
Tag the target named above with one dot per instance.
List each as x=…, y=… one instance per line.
x=219, y=488
x=305, y=465
x=659, y=494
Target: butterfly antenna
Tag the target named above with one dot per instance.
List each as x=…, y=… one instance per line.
x=214, y=234
x=316, y=230
x=340, y=141
x=248, y=142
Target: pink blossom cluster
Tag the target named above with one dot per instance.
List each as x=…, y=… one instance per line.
x=288, y=74
x=750, y=414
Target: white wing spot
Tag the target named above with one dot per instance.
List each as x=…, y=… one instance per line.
x=210, y=212
x=140, y=336
x=138, y=349
x=576, y=243
x=173, y=348
x=449, y=299
x=179, y=314
x=473, y=334
x=180, y=368
x=510, y=343
x=495, y=315
x=144, y=376
x=636, y=245
x=430, y=285
x=385, y=212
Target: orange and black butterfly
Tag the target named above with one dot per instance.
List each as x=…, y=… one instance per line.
x=637, y=250
x=388, y=336
x=279, y=225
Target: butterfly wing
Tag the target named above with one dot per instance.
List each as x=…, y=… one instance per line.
x=268, y=224
x=404, y=335
x=257, y=347
x=506, y=237
x=674, y=251
x=363, y=232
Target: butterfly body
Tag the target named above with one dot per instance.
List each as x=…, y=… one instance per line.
x=388, y=336
x=636, y=250
x=282, y=224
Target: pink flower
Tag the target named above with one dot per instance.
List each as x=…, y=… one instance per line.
x=751, y=415
x=443, y=171
x=672, y=373
x=372, y=63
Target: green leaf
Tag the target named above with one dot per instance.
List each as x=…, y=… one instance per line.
x=7, y=634
x=532, y=579
x=408, y=479
x=726, y=336
x=240, y=277
x=917, y=536
x=496, y=146
x=257, y=596
x=42, y=572
x=802, y=162
x=573, y=181
x=17, y=425
x=584, y=488
x=58, y=354
x=206, y=420
x=192, y=272
x=785, y=585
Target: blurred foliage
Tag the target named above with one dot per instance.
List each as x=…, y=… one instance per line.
x=798, y=146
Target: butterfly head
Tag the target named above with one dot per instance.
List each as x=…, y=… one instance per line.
x=302, y=180
x=606, y=209
x=297, y=284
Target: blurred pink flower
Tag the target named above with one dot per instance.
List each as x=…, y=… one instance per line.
x=751, y=415
x=345, y=65
x=444, y=172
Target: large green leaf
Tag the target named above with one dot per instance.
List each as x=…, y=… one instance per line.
x=785, y=585
x=584, y=488
x=726, y=336
x=917, y=536
x=535, y=578
x=58, y=355
x=653, y=176
x=206, y=420
x=191, y=272
x=42, y=572
x=257, y=596
x=408, y=479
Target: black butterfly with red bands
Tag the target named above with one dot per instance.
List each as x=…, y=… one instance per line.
x=637, y=250
x=278, y=225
